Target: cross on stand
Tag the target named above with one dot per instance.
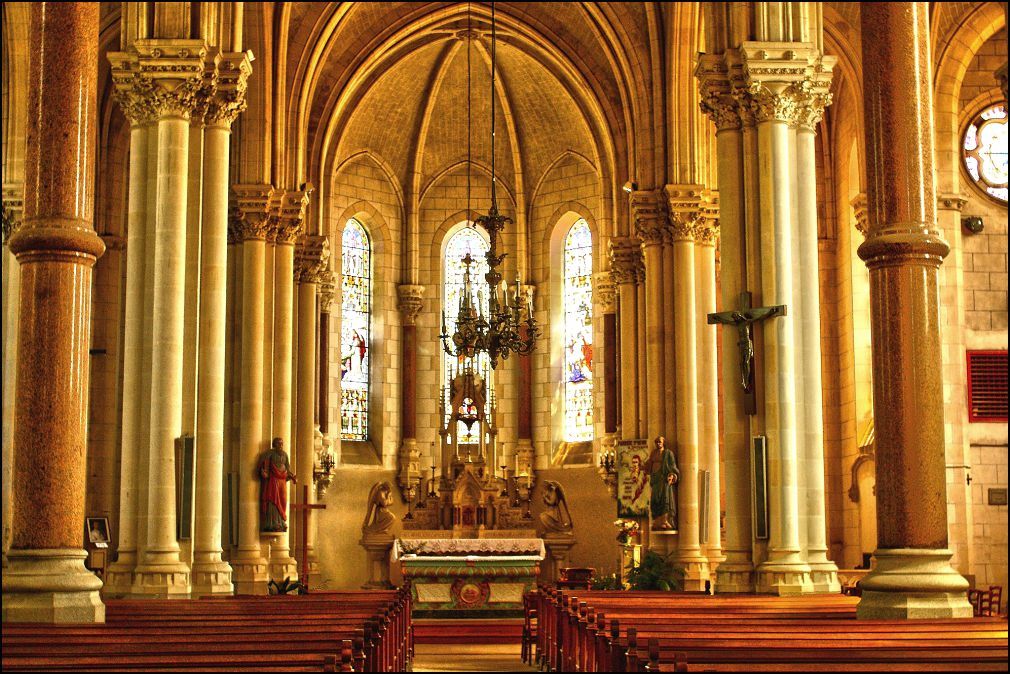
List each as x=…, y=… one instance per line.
x=744, y=318
x=304, y=507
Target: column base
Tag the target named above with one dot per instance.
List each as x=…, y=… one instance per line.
x=161, y=580
x=824, y=574
x=734, y=578
x=283, y=567
x=51, y=586
x=913, y=583
x=119, y=576
x=783, y=578
x=212, y=578
x=697, y=573
x=249, y=576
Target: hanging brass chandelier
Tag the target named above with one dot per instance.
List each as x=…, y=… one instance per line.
x=504, y=330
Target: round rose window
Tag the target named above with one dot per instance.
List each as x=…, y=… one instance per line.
x=985, y=151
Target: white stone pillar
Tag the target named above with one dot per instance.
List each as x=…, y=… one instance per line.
x=624, y=255
x=119, y=576
x=649, y=213
x=684, y=202
x=12, y=205
x=642, y=350
x=735, y=574
x=160, y=571
x=807, y=323
x=708, y=376
x=212, y=575
x=248, y=563
x=784, y=571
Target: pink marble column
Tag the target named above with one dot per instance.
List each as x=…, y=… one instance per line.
x=56, y=247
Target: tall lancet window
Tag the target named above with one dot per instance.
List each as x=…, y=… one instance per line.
x=472, y=242
x=578, y=307
x=355, y=337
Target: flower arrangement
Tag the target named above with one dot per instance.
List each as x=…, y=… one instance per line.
x=626, y=530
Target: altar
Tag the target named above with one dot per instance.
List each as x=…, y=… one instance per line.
x=469, y=577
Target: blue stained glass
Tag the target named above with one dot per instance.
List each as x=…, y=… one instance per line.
x=578, y=354
x=355, y=337
x=467, y=241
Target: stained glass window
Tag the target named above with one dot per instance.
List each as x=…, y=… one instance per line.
x=985, y=151
x=578, y=307
x=467, y=241
x=356, y=268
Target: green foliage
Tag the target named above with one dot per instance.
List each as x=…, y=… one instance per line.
x=286, y=586
x=656, y=572
x=611, y=582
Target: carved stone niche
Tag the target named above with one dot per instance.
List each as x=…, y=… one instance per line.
x=867, y=453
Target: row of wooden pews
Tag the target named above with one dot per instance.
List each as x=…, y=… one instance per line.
x=627, y=631
x=361, y=631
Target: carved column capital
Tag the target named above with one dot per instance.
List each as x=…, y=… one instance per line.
x=861, y=211
x=648, y=208
x=291, y=215
x=327, y=290
x=312, y=259
x=605, y=291
x=251, y=212
x=411, y=300
x=163, y=77
x=783, y=81
x=717, y=99
x=229, y=100
x=685, y=204
x=13, y=207
x=625, y=259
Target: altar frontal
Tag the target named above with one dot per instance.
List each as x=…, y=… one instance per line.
x=469, y=577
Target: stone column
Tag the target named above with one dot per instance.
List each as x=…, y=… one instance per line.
x=641, y=349
x=13, y=204
x=807, y=323
x=735, y=573
x=312, y=260
x=624, y=256
x=411, y=301
x=292, y=213
x=56, y=247
x=903, y=251
x=138, y=108
x=684, y=204
x=327, y=292
x=649, y=213
x=160, y=571
x=212, y=575
x=605, y=296
x=248, y=563
x=705, y=235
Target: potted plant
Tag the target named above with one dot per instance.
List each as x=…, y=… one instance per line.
x=626, y=530
x=656, y=572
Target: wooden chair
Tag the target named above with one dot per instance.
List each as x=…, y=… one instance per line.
x=530, y=624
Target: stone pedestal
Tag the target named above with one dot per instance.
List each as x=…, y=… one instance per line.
x=913, y=583
x=50, y=586
x=377, y=549
x=558, y=548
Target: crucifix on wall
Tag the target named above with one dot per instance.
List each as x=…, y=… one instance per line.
x=744, y=318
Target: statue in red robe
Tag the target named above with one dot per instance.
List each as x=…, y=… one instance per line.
x=275, y=471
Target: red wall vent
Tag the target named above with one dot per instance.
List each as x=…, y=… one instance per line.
x=987, y=386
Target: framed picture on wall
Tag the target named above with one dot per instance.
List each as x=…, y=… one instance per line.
x=97, y=531
x=633, y=491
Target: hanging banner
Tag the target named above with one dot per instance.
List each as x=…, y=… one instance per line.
x=633, y=492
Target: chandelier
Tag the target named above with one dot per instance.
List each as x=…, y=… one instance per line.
x=503, y=331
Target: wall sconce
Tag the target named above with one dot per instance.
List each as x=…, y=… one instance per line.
x=972, y=224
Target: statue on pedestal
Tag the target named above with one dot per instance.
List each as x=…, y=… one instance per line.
x=275, y=472
x=378, y=519
x=556, y=518
x=663, y=478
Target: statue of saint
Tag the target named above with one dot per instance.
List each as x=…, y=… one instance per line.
x=275, y=471
x=556, y=518
x=378, y=519
x=663, y=478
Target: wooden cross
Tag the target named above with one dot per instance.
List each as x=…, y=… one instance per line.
x=304, y=507
x=744, y=318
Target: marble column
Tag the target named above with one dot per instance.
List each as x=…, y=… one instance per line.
x=311, y=262
x=411, y=299
x=292, y=213
x=56, y=248
x=248, y=563
x=807, y=324
x=139, y=110
x=735, y=573
x=212, y=575
x=903, y=251
x=649, y=213
x=706, y=233
x=160, y=570
x=624, y=257
x=684, y=204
